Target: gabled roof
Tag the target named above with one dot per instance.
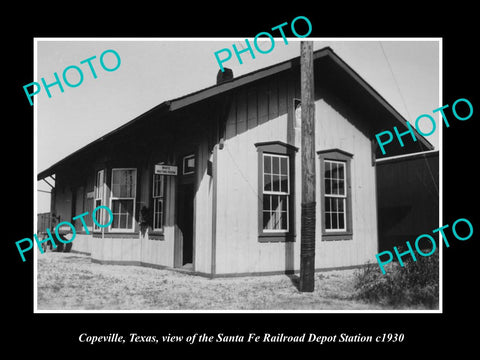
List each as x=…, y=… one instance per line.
x=325, y=53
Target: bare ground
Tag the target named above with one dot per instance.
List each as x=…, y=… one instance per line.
x=68, y=281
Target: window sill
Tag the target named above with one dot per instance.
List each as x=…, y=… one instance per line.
x=116, y=235
x=337, y=236
x=276, y=237
x=156, y=236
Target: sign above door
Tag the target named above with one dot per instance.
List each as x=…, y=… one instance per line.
x=165, y=170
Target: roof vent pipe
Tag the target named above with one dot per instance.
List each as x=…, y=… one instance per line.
x=223, y=76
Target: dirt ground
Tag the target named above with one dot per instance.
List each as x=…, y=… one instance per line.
x=68, y=281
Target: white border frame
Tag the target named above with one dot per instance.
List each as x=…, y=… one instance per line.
x=35, y=141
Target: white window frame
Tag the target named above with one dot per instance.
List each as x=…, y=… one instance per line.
x=161, y=198
x=338, y=196
x=112, y=198
x=271, y=192
x=99, y=197
x=183, y=164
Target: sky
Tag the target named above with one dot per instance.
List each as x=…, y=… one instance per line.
x=405, y=72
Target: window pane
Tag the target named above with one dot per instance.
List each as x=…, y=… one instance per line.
x=341, y=187
x=278, y=221
x=341, y=203
x=158, y=185
x=161, y=185
x=98, y=214
x=335, y=187
x=276, y=164
x=341, y=171
x=328, y=186
x=334, y=173
x=127, y=206
x=115, y=222
x=328, y=170
x=341, y=222
x=283, y=203
x=328, y=220
x=275, y=200
x=115, y=190
x=267, y=164
x=160, y=206
x=99, y=184
x=123, y=221
x=334, y=221
x=328, y=202
x=115, y=206
x=284, y=183
x=334, y=203
x=266, y=202
x=276, y=182
x=267, y=182
x=157, y=213
x=284, y=222
x=266, y=220
x=283, y=166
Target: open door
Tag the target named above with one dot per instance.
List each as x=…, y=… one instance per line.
x=185, y=214
x=185, y=222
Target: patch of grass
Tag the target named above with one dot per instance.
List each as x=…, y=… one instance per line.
x=414, y=284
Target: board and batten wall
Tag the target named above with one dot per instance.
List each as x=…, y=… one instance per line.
x=264, y=112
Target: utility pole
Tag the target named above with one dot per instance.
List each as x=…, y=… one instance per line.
x=307, y=232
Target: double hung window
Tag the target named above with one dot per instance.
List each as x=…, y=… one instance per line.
x=158, y=201
x=335, y=194
x=123, y=193
x=276, y=164
x=99, y=196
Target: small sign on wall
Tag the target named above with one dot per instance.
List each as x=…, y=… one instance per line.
x=165, y=170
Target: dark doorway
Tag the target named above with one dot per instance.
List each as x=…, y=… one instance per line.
x=185, y=221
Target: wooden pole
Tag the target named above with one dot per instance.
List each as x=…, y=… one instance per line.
x=307, y=232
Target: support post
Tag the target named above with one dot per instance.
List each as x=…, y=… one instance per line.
x=307, y=248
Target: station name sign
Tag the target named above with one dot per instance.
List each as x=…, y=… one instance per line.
x=165, y=170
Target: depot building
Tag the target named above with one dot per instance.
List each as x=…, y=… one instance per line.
x=210, y=182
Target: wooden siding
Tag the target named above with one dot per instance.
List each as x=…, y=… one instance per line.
x=270, y=117
x=265, y=106
x=149, y=248
x=335, y=131
x=228, y=243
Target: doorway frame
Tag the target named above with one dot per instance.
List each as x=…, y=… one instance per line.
x=180, y=180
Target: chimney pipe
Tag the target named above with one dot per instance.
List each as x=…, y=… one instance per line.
x=223, y=76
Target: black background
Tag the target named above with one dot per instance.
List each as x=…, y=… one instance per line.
x=57, y=334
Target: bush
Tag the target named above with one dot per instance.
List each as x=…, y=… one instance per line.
x=416, y=283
